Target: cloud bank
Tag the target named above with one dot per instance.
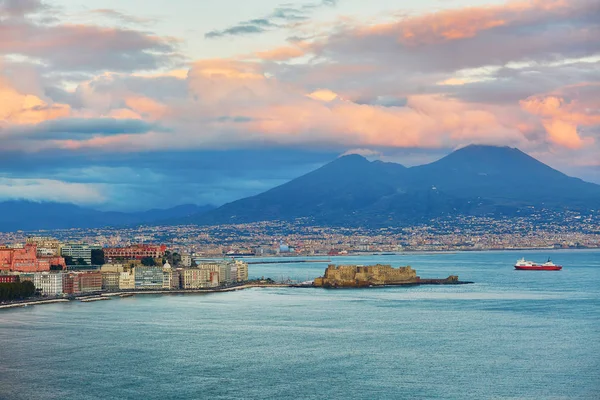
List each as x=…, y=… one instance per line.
x=524, y=74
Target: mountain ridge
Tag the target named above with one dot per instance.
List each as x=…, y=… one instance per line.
x=30, y=215
x=473, y=180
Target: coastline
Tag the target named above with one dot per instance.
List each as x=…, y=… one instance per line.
x=107, y=295
x=32, y=303
x=121, y=294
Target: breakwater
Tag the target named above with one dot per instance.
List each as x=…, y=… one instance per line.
x=287, y=262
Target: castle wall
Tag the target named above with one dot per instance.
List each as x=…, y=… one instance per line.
x=354, y=275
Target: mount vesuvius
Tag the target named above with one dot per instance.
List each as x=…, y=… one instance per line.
x=474, y=180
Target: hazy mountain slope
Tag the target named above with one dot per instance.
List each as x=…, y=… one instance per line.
x=27, y=215
x=473, y=180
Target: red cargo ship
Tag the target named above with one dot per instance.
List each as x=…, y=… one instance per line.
x=531, y=266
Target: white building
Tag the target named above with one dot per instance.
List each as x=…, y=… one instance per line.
x=186, y=260
x=127, y=280
x=167, y=276
x=242, y=271
x=49, y=284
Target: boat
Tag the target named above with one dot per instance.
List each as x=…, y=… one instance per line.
x=524, y=265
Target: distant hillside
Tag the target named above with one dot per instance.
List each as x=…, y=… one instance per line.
x=27, y=215
x=475, y=180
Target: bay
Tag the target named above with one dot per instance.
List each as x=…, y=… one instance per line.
x=510, y=335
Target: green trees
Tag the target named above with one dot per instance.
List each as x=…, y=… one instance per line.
x=69, y=260
x=97, y=256
x=173, y=258
x=16, y=290
x=148, y=261
x=81, y=261
x=56, y=268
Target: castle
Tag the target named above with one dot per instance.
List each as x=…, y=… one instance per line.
x=361, y=276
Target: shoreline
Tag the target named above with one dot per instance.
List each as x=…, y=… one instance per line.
x=109, y=295
x=33, y=303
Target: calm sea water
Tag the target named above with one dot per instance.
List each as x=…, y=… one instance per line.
x=511, y=335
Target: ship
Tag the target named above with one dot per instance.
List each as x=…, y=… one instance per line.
x=524, y=265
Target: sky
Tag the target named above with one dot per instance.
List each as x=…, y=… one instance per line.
x=138, y=104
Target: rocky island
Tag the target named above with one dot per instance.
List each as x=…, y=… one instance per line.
x=356, y=276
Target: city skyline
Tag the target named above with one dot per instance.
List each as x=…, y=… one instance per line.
x=135, y=105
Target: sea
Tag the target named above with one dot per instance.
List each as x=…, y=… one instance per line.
x=510, y=335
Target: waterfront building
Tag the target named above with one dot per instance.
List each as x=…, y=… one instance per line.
x=167, y=276
x=110, y=280
x=79, y=250
x=175, y=279
x=127, y=280
x=216, y=271
x=82, y=282
x=90, y=282
x=22, y=259
x=148, y=277
x=228, y=271
x=135, y=252
x=242, y=271
x=49, y=284
x=195, y=278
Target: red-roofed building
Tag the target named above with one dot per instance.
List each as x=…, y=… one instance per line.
x=135, y=252
x=22, y=259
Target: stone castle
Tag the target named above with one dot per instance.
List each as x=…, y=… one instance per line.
x=362, y=276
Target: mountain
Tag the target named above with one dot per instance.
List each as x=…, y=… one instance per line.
x=27, y=215
x=474, y=180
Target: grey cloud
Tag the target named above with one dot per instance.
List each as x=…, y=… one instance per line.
x=19, y=8
x=422, y=44
x=278, y=18
x=81, y=128
x=78, y=48
x=235, y=31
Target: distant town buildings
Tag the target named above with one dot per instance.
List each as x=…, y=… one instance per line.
x=46, y=246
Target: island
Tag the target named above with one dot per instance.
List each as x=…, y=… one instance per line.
x=358, y=276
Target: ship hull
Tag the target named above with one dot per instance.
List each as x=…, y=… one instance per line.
x=538, y=268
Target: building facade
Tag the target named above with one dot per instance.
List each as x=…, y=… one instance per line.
x=49, y=284
x=82, y=282
x=79, y=250
x=242, y=271
x=9, y=278
x=186, y=260
x=195, y=278
x=148, y=277
x=46, y=246
x=135, y=252
x=110, y=280
x=127, y=280
x=23, y=259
